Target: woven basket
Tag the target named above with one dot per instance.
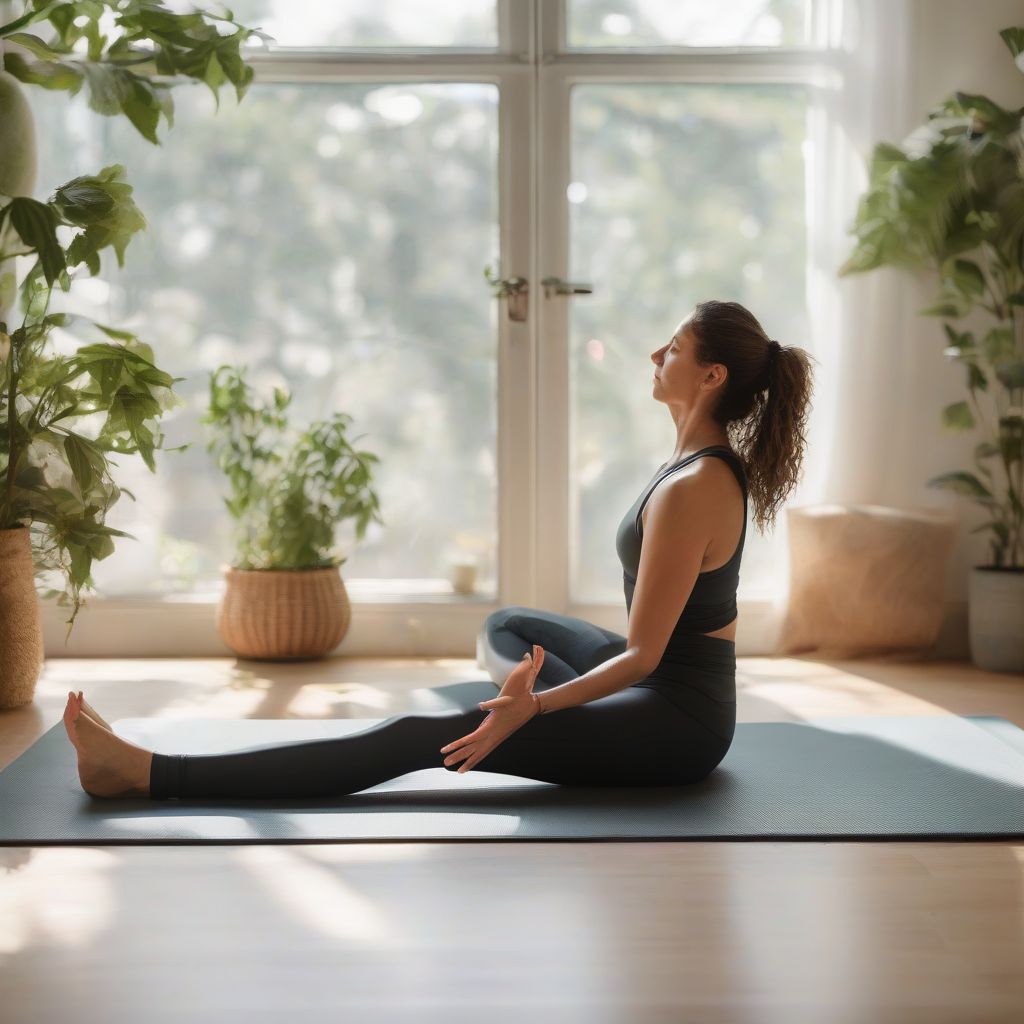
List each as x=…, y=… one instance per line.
x=283, y=614
x=866, y=579
x=21, y=631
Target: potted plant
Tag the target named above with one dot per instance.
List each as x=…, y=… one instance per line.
x=55, y=481
x=285, y=598
x=952, y=199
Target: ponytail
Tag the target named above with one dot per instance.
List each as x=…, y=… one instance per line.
x=765, y=401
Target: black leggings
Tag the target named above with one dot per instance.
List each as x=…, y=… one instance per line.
x=671, y=728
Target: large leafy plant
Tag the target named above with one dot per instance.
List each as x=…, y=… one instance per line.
x=951, y=198
x=55, y=477
x=289, y=487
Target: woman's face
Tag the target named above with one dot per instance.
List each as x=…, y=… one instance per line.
x=676, y=372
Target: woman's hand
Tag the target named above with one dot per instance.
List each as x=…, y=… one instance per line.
x=514, y=706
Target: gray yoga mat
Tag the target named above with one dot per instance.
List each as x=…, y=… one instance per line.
x=865, y=777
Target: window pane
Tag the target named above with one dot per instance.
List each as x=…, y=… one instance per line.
x=599, y=23
x=332, y=239
x=678, y=193
x=364, y=23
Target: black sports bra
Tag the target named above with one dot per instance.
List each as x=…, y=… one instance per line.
x=712, y=602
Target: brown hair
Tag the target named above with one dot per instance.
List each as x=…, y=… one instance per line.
x=764, y=403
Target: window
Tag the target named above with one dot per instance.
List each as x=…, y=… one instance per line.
x=329, y=237
x=653, y=23
x=330, y=234
x=679, y=192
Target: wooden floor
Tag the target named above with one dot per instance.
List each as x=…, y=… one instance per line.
x=792, y=932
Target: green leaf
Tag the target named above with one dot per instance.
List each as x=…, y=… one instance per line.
x=109, y=87
x=143, y=109
x=947, y=309
x=984, y=113
x=968, y=278
x=49, y=76
x=976, y=379
x=958, y=416
x=41, y=11
x=37, y=46
x=885, y=158
x=997, y=344
x=962, y=483
x=36, y=224
x=1010, y=373
x=78, y=460
x=1014, y=39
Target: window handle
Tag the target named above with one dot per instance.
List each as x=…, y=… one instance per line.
x=560, y=287
x=515, y=290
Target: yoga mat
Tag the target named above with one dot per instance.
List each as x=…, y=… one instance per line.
x=863, y=777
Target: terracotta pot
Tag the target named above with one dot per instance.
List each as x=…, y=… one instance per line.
x=21, y=630
x=283, y=614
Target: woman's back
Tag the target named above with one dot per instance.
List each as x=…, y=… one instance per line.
x=712, y=602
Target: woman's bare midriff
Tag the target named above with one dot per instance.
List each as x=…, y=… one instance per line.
x=726, y=632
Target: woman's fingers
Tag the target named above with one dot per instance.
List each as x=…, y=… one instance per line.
x=463, y=743
x=537, y=661
x=477, y=756
x=495, y=702
x=458, y=743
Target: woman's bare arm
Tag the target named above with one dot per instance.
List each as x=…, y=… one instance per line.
x=614, y=674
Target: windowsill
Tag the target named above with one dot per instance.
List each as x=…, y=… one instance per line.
x=370, y=591
x=366, y=591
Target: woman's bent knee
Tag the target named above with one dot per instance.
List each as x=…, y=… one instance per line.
x=500, y=616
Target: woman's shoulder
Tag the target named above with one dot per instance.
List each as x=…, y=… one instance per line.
x=703, y=486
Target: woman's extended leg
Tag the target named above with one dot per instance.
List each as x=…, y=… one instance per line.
x=634, y=737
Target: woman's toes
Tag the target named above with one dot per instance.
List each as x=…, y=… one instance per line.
x=70, y=723
x=88, y=709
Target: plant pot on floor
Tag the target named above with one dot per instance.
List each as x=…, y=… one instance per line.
x=283, y=614
x=21, y=631
x=995, y=614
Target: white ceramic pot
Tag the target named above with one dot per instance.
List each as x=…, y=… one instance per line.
x=995, y=613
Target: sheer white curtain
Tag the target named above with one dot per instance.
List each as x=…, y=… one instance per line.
x=863, y=101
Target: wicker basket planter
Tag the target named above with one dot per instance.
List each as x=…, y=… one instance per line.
x=283, y=614
x=21, y=631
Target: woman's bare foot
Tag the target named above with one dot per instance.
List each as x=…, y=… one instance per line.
x=108, y=766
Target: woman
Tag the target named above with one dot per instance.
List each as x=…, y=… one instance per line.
x=657, y=707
